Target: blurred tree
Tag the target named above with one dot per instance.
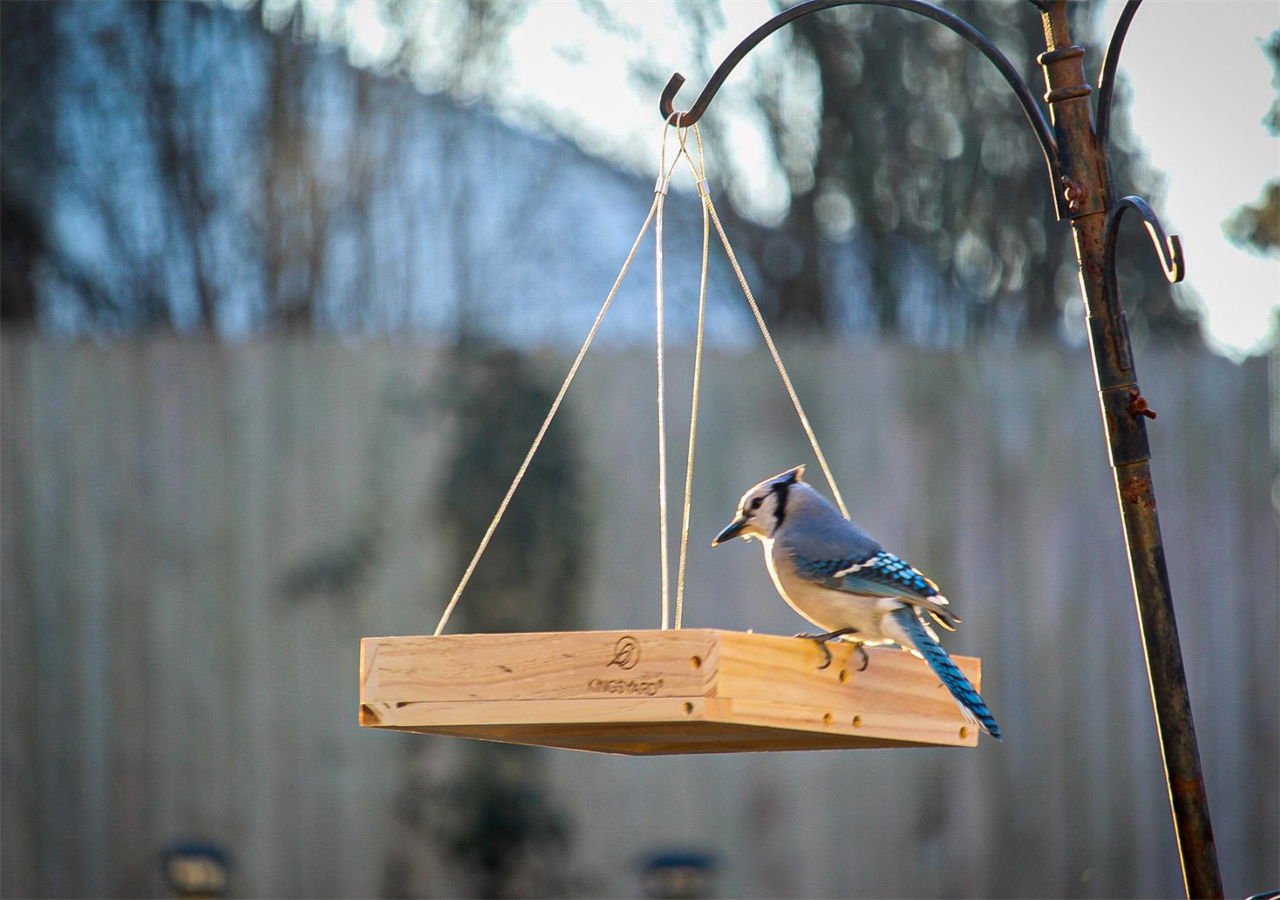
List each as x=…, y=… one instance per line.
x=296, y=204
x=919, y=143
x=130, y=232
x=501, y=824
x=1257, y=225
x=302, y=205
x=30, y=48
x=530, y=576
x=175, y=121
x=502, y=833
x=475, y=32
x=181, y=167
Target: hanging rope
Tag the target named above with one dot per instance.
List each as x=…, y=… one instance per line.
x=660, y=189
x=699, y=174
x=656, y=213
x=773, y=350
x=555, y=404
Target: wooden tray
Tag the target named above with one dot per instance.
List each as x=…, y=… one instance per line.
x=696, y=690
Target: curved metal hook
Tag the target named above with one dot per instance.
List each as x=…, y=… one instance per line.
x=1107, y=83
x=666, y=102
x=1168, y=248
x=1035, y=116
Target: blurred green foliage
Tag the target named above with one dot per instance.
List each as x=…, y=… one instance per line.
x=1257, y=225
x=490, y=813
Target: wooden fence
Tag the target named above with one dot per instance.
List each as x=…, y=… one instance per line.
x=162, y=683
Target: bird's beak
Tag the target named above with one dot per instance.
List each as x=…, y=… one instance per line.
x=731, y=531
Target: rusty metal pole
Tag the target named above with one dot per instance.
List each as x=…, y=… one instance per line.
x=1078, y=163
x=1084, y=185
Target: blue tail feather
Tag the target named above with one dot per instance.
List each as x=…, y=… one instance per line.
x=946, y=670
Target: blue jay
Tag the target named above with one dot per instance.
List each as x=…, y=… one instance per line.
x=838, y=577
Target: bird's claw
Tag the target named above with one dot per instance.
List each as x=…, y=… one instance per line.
x=821, y=641
x=866, y=660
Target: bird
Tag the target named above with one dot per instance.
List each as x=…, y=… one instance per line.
x=842, y=580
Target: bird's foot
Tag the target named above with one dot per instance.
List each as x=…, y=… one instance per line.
x=821, y=641
x=866, y=660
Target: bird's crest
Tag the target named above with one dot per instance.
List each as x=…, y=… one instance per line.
x=791, y=476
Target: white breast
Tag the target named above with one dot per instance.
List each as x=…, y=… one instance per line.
x=829, y=610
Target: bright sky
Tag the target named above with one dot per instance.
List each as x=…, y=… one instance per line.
x=565, y=63
x=1199, y=115
x=1201, y=85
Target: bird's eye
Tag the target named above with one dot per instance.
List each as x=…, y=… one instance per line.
x=755, y=504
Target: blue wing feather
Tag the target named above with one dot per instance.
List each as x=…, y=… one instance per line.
x=821, y=569
x=879, y=574
x=883, y=575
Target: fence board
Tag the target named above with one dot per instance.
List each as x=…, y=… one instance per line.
x=160, y=683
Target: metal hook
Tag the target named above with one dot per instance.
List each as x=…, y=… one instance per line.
x=1168, y=248
x=1035, y=115
x=1107, y=84
x=666, y=103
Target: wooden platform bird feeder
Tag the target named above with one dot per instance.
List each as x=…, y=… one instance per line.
x=667, y=691
x=649, y=693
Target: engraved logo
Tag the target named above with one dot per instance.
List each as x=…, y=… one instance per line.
x=626, y=653
x=648, y=688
